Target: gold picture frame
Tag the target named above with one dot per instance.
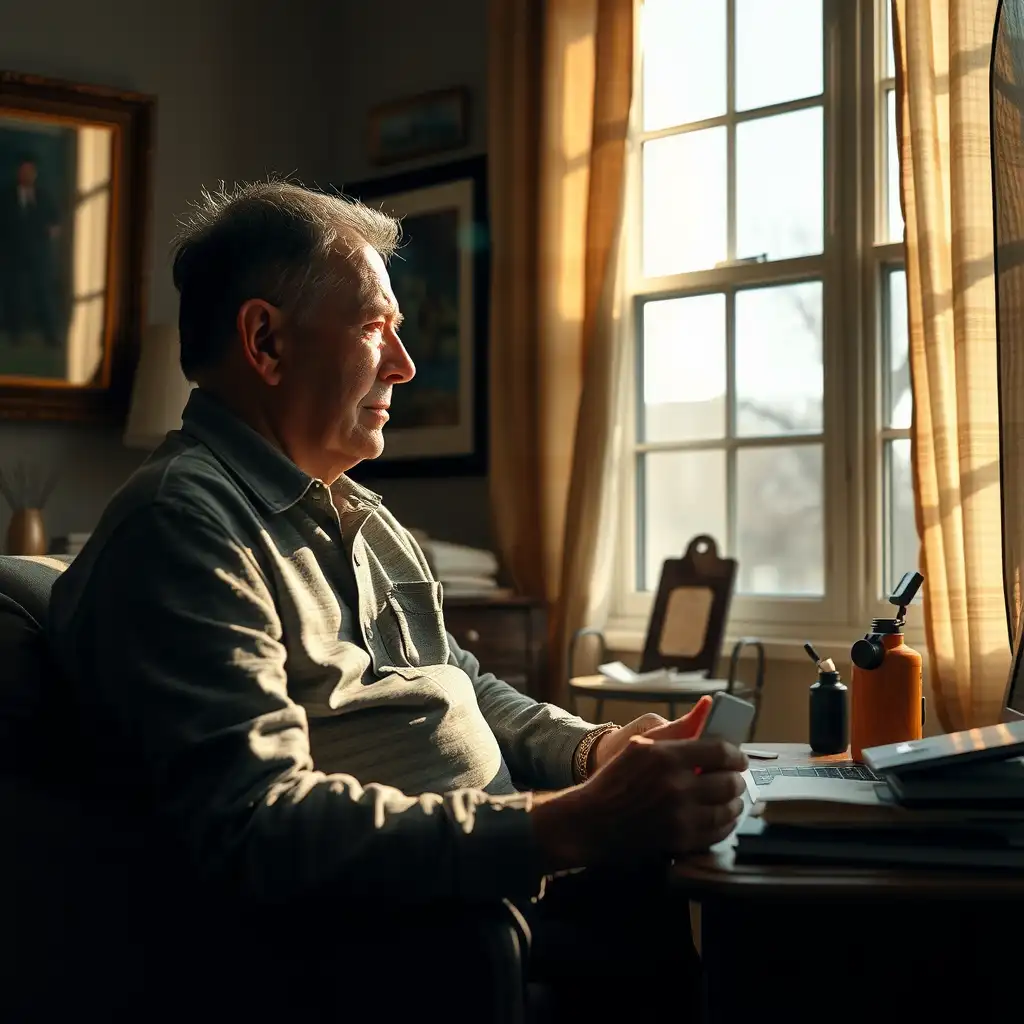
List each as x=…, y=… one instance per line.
x=74, y=218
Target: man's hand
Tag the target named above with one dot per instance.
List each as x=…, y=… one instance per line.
x=664, y=797
x=655, y=727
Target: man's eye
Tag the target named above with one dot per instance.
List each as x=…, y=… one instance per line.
x=372, y=328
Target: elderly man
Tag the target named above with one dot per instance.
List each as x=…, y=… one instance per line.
x=258, y=650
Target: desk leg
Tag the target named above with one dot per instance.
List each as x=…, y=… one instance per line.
x=726, y=998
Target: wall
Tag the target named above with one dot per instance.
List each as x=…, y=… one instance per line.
x=228, y=106
x=244, y=89
x=408, y=47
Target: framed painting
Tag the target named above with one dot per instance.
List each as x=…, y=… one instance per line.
x=74, y=206
x=441, y=278
x=419, y=126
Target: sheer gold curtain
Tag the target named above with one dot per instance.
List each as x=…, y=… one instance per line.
x=942, y=58
x=559, y=97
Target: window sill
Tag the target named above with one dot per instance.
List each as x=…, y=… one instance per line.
x=626, y=636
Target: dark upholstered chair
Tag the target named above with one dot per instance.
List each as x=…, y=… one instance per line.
x=95, y=925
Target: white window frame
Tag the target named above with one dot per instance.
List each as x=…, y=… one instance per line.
x=882, y=258
x=850, y=268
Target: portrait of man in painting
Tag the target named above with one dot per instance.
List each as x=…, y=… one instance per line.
x=74, y=197
x=54, y=237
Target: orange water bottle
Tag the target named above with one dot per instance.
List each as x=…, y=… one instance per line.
x=887, y=702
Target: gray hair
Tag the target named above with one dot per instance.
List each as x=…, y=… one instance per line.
x=271, y=240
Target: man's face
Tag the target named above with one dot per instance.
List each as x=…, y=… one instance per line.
x=341, y=364
x=26, y=174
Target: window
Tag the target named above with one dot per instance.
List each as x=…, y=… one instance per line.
x=772, y=401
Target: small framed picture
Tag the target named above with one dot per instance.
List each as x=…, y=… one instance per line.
x=432, y=122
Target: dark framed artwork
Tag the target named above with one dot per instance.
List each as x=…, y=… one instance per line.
x=441, y=278
x=74, y=210
x=419, y=126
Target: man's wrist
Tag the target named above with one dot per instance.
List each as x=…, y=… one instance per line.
x=583, y=756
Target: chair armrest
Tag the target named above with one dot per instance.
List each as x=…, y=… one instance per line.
x=480, y=949
x=505, y=938
x=574, y=643
x=734, y=660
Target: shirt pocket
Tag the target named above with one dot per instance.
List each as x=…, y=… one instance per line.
x=412, y=625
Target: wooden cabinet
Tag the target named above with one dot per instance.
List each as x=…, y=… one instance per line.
x=508, y=635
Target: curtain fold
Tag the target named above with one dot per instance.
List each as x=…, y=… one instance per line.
x=942, y=59
x=560, y=90
x=1008, y=183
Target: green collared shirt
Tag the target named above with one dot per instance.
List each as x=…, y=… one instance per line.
x=269, y=657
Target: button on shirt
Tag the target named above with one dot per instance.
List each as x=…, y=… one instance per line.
x=269, y=656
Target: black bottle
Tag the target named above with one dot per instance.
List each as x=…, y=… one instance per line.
x=830, y=729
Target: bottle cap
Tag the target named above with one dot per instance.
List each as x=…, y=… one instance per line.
x=886, y=626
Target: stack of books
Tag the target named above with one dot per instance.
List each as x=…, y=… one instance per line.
x=943, y=802
x=462, y=570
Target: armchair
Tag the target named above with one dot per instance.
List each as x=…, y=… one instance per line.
x=95, y=918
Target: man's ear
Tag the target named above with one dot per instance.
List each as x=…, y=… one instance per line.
x=259, y=330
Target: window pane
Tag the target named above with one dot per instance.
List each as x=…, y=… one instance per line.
x=899, y=402
x=682, y=494
x=684, y=369
x=778, y=51
x=894, y=214
x=778, y=360
x=779, y=517
x=683, y=43
x=684, y=200
x=902, y=547
x=779, y=186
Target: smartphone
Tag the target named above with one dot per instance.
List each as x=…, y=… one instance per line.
x=729, y=719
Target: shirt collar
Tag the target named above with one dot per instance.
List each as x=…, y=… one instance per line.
x=265, y=471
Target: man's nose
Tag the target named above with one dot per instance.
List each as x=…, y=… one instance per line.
x=398, y=366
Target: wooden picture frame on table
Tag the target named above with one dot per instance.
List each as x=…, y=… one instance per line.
x=441, y=278
x=74, y=219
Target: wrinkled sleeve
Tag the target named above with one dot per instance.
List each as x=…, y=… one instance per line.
x=173, y=640
x=537, y=740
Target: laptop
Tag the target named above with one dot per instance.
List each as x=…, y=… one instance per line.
x=850, y=782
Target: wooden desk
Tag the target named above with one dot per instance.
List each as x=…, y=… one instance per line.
x=872, y=945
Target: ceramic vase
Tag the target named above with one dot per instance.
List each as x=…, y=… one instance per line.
x=26, y=534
